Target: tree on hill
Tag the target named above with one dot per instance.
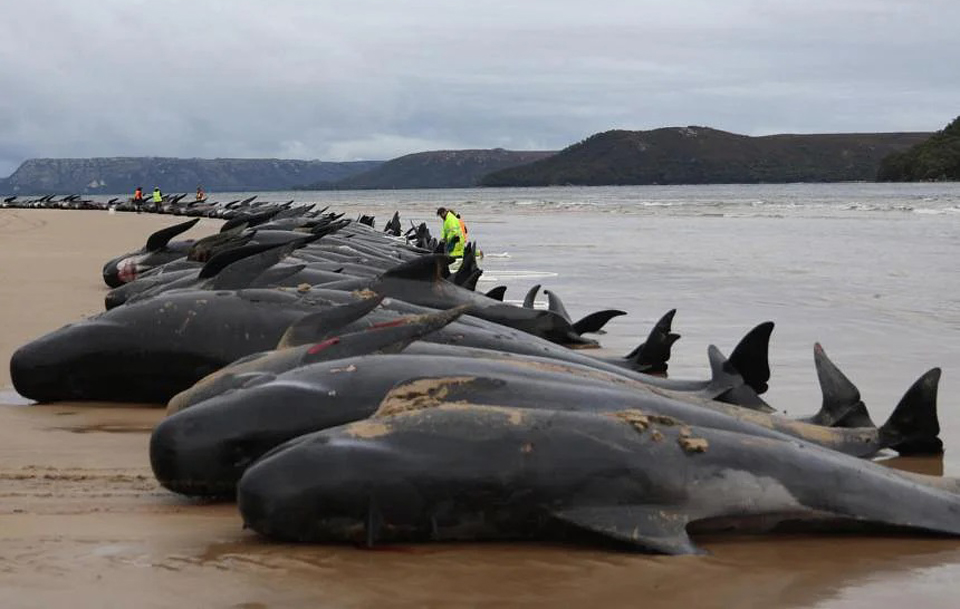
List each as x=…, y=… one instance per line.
x=937, y=159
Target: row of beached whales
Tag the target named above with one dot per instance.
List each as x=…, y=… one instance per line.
x=177, y=205
x=170, y=204
x=344, y=385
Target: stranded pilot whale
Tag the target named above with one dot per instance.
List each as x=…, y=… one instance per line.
x=458, y=472
x=147, y=351
x=157, y=251
x=203, y=449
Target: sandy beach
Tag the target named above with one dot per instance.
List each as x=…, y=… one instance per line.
x=84, y=524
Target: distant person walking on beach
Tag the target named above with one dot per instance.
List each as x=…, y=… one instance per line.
x=157, y=197
x=200, y=194
x=451, y=234
x=138, y=198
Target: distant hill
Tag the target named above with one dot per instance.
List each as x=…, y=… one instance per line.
x=700, y=155
x=936, y=159
x=437, y=169
x=119, y=175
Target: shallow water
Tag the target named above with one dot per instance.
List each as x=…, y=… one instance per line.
x=866, y=269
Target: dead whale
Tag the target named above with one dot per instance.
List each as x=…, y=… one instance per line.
x=456, y=472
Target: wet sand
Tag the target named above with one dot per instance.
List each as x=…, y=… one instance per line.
x=84, y=524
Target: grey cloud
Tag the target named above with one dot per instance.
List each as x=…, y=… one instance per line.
x=376, y=79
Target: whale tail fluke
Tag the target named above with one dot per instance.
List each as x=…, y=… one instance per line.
x=913, y=428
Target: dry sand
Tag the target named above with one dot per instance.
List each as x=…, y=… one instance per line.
x=84, y=524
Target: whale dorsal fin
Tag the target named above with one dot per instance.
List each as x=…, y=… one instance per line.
x=531, y=296
x=223, y=259
x=425, y=268
x=556, y=305
x=914, y=428
x=390, y=337
x=243, y=272
x=497, y=293
x=653, y=354
x=594, y=322
x=162, y=237
x=840, y=395
x=751, y=357
x=275, y=274
x=318, y=326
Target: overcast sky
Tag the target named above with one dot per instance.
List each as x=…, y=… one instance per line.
x=376, y=79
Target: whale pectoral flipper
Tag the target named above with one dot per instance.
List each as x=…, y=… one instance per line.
x=661, y=529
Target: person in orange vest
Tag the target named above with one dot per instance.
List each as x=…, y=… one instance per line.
x=200, y=194
x=466, y=235
x=138, y=198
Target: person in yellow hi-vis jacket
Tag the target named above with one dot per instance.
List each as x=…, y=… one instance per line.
x=451, y=234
